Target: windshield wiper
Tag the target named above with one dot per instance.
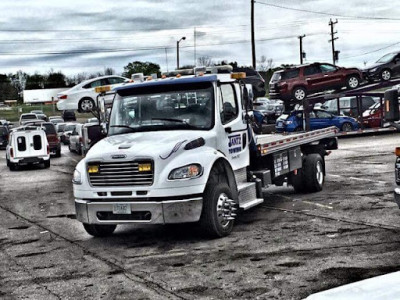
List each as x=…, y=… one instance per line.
x=174, y=120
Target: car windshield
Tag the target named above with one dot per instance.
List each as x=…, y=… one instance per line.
x=3, y=131
x=28, y=117
x=69, y=127
x=164, y=107
x=387, y=58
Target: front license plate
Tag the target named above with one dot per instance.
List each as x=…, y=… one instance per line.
x=122, y=209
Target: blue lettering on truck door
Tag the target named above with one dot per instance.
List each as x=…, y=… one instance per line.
x=235, y=143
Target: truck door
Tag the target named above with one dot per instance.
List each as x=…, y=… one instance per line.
x=232, y=135
x=36, y=144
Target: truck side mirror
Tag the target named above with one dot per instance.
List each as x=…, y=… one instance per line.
x=248, y=104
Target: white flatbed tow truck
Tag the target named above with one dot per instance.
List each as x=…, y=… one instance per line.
x=182, y=150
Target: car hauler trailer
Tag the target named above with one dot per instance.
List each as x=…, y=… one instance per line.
x=182, y=149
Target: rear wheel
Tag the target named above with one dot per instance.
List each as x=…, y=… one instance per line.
x=347, y=127
x=313, y=173
x=299, y=93
x=99, y=230
x=58, y=153
x=218, y=214
x=86, y=105
x=46, y=164
x=12, y=166
x=69, y=147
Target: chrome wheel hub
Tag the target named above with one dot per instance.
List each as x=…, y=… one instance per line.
x=226, y=210
x=86, y=105
x=353, y=82
x=299, y=94
x=320, y=173
x=386, y=75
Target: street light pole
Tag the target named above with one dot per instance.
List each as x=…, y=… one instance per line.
x=177, y=52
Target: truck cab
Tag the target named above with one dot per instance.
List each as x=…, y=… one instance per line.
x=179, y=150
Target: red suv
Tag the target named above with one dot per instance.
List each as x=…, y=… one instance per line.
x=297, y=82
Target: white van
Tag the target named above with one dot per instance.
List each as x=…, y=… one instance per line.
x=27, y=145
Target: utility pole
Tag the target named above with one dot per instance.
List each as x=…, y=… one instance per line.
x=253, y=45
x=166, y=58
x=194, y=36
x=333, y=38
x=177, y=51
x=301, y=47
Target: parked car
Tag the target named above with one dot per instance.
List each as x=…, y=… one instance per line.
x=27, y=117
x=27, y=145
x=68, y=129
x=255, y=79
x=68, y=115
x=56, y=120
x=385, y=68
x=82, y=97
x=297, y=82
x=75, y=139
x=42, y=117
x=270, y=108
x=293, y=121
x=51, y=134
x=372, y=117
x=37, y=112
x=348, y=105
x=4, y=132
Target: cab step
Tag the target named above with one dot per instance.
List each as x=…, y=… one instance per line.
x=248, y=195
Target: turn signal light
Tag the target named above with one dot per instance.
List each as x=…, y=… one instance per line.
x=144, y=167
x=238, y=75
x=63, y=97
x=397, y=151
x=93, y=169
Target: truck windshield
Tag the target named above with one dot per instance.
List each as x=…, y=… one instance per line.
x=161, y=108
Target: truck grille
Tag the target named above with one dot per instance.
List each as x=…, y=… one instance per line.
x=121, y=174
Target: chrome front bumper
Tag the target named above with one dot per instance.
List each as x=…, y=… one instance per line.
x=143, y=212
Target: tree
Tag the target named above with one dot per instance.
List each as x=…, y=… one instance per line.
x=7, y=91
x=35, y=81
x=54, y=80
x=147, y=68
x=205, y=61
x=264, y=64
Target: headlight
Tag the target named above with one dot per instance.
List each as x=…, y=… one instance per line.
x=186, y=172
x=77, y=179
x=288, y=122
x=373, y=70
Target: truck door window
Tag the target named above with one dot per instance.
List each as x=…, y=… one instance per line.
x=21, y=143
x=228, y=103
x=37, y=142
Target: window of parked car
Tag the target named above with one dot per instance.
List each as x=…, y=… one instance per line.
x=327, y=68
x=228, y=103
x=323, y=114
x=21, y=143
x=49, y=128
x=311, y=70
x=96, y=83
x=37, y=142
x=290, y=74
x=115, y=80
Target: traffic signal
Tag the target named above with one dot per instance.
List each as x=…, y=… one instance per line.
x=336, y=55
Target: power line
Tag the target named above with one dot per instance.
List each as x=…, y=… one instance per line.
x=373, y=51
x=326, y=14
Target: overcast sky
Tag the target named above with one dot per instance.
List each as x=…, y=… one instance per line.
x=90, y=35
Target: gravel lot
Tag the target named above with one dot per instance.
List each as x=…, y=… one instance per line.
x=287, y=248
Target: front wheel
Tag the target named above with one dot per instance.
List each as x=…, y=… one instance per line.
x=299, y=93
x=99, y=230
x=352, y=82
x=386, y=75
x=218, y=214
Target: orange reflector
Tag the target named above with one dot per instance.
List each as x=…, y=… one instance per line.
x=238, y=75
x=164, y=76
x=102, y=89
x=387, y=105
x=149, y=78
x=178, y=75
x=397, y=151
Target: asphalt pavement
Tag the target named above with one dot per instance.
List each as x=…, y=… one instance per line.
x=287, y=248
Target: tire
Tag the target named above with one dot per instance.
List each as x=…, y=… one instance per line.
x=86, y=105
x=212, y=221
x=99, y=230
x=297, y=181
x=46, y=164
x=69, y=147
x=8, y=162
x=299, y=93
x=313, y=173
x=352, y=82
x=346, y=127
x=58, y=153
x=13, y=166
x=79, y=149
x=386, y=75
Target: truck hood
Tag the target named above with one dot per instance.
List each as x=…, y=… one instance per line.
x=155, y=144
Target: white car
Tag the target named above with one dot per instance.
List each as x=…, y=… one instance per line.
x=24, y=118
x=27, y=145
x=82, y=97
